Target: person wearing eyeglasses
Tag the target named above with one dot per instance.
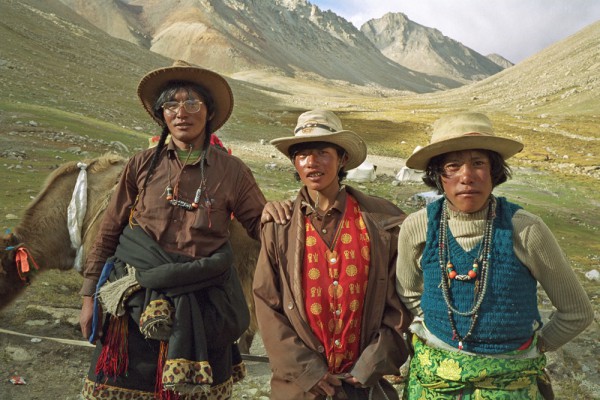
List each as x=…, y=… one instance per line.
x=161, y=266
x=468, y=269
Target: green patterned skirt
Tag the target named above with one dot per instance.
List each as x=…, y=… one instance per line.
x=441, y=374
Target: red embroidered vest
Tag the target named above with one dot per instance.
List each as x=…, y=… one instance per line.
x=335, y=282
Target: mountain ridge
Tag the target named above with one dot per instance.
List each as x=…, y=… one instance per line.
x=427, y=50
x=72, y=66
x=289, y=38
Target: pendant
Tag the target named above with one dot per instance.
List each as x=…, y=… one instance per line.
x=197, y=198
x=332, y=256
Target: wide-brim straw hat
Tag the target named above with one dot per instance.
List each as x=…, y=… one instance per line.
x=154, y=82
x=324, y=126
x=462, y=131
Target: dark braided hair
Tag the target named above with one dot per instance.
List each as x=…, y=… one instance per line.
x=168, y=94
x=159, y=147
x=499, y=170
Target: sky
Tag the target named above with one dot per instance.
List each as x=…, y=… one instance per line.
x=514, y=29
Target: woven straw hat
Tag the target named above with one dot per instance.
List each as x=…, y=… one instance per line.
x=154, y=82
x=462, y=131
x=324, y=126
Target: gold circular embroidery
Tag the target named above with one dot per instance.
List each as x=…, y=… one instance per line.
x=352, y=338
x=314, y=273
x=335, y=291
x=316, y=308
x=365, y=253
x=311, y=241
x=338, y=326
x=360, y=224
x=354, y=304
x=351, y=270
x=346, y=238
x=331, y=325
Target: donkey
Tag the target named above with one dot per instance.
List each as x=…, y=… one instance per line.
x=43, y=235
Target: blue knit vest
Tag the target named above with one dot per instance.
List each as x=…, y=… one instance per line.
x=509, y=310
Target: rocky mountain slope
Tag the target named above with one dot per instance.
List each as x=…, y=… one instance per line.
x=72, y=66
x=284, y=37
x=48, y=48
x=52, y=58
x=499, y=60
x=291, y=38
x=562, y=79
x=427, y=50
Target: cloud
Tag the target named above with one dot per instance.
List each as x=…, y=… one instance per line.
x=515, y=29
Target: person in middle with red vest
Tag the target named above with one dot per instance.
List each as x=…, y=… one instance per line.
x=324, y=287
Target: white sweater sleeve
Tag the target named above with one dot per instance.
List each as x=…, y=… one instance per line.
x=411, y=242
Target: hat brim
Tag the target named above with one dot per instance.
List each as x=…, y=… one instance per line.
x=355, y=147
x=154, y=82
x=503, y=146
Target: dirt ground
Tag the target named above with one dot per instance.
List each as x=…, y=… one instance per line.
x=49, y=354
x=41, y=345
x=53, y=369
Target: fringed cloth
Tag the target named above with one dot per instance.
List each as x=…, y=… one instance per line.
x=440, y=374
x=195, y=308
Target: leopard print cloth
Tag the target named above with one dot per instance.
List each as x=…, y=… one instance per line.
x=93, y=391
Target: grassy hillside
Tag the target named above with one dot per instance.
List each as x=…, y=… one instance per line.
x=69, y=89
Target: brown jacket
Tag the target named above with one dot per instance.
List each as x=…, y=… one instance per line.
x=196, y=234
x=296, y=356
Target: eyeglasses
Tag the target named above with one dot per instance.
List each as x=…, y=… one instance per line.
x=191, y=106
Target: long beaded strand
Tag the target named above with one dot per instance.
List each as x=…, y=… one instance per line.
x=480, y=286
x=172, y=197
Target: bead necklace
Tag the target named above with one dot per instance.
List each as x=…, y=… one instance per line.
x=449, y=274
x=331, y=254
x=172, y=193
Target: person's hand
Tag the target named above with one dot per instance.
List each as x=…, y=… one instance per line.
x=351, y=380
x=86, y=315
x=279, y=212
x=327, y=385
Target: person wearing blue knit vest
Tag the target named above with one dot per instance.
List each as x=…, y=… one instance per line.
x=468, y=267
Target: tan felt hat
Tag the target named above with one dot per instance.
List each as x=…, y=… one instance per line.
x=324, y=126
x=462, y=131
x=154, y=82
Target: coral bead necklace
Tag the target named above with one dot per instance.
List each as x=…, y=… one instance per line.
x=479, y=271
